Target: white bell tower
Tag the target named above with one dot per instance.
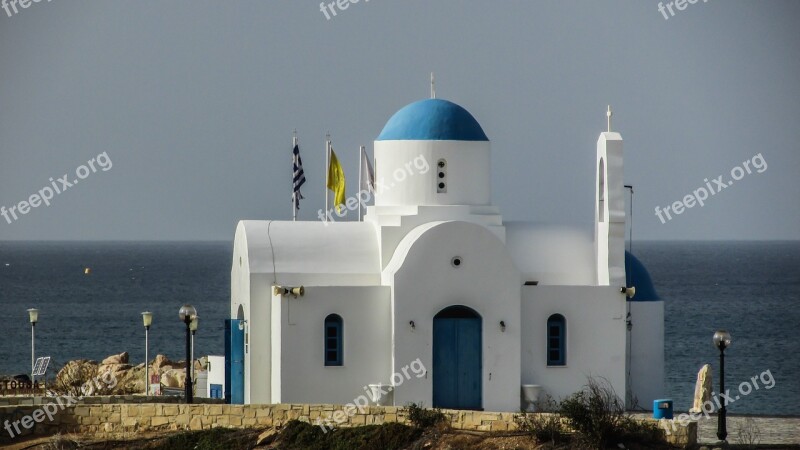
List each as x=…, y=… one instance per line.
x=610, y=209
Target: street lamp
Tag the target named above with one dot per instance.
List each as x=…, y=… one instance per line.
x=147, y=318
x=187, y=313
x=33, y=315
x=722, y=340
x=193, y=327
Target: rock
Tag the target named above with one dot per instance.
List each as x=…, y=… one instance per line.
x=196, y=424
x=122, y=358
x=267, y=437
x=159, y=364
x=174, y=378
x=74, y=375
x=702, y=389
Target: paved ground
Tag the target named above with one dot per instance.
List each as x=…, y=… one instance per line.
x=771, y=430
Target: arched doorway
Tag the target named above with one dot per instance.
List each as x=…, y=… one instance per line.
x=457, y=359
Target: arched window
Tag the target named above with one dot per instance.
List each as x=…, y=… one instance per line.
x=556, y=340
x=334, y=340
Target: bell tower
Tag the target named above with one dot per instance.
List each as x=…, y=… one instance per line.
x=610, y=209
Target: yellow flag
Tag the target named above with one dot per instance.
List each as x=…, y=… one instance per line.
x=336, y=181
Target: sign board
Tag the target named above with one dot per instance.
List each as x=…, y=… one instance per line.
x=40, y=368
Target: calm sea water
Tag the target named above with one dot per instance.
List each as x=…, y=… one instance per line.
x=750, y=288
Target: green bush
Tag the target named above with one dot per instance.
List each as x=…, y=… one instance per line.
x=424, y=418
x=545, y=425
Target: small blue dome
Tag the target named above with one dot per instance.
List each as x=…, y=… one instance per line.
x=432, y=120
x=636, y=275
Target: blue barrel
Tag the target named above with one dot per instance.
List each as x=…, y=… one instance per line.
x=662, y=408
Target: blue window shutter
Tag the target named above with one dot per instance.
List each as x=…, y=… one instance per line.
x=334, y=340
x=556, y=340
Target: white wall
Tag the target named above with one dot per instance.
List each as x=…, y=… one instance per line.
x=240, y=291
x=595, y=317
x=468, y=172
x=610, y=233
x=647, y=353
x=216, y=373
x=300, y=367
x=425, y=282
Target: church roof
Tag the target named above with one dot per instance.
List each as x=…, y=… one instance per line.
x=320, y=253
x=636, y=275
x=432, y=120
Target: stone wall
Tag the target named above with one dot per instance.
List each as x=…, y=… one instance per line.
x=121, y=420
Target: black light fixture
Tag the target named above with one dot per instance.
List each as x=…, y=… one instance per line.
x=187, y=313
x=722, y=340
x=413, y=325
x=503, y=326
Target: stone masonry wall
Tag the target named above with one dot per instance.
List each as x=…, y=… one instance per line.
x=121, y=420
x=124, y=419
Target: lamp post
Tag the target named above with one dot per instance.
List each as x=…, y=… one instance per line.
x=33, y=315
x=147, y=318
x=187, y=313
x=193, y=327
x=722, y=340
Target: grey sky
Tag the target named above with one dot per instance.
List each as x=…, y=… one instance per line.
x=195, y=102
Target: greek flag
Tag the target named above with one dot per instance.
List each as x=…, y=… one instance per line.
x=299, y=177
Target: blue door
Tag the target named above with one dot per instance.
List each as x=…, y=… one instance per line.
x=457, y=359
x=234, y=362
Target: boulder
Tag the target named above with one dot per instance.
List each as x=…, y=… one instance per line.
x=702, y=389
x=74, y=375
x=160, y=363
x=122, y=358
x=173, y=378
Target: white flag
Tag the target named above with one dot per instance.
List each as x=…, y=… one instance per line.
x=368, y=178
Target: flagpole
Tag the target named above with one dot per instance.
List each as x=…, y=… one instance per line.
x=294, y=194
x=360, y=169
x=327, y=170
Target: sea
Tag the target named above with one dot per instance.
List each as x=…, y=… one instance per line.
x=751, y=289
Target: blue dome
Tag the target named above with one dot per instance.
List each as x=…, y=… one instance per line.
x=432, y=120
x=636, y=275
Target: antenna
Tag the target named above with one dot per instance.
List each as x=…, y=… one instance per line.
x=433, y=86
x=609, y=114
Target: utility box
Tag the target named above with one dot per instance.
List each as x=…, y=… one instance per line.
x=662, y=408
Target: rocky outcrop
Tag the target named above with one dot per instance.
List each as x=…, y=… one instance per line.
x=115, y=376
x=122, y=358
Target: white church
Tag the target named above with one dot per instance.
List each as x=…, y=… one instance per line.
x=494, y=313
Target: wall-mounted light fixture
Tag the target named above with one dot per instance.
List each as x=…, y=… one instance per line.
x=286, y=290
x=628, y=291
x=413, y=325
x=503, y=326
